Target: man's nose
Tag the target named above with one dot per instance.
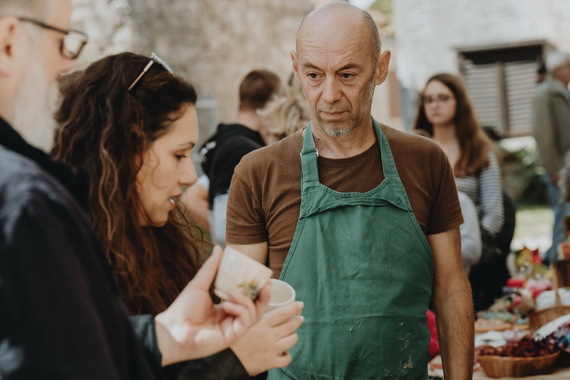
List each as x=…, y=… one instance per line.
x=331, y=90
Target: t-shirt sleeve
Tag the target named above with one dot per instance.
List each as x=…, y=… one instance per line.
x=245, y=220
x=446, y=211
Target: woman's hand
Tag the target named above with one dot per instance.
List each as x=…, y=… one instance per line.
x=264, y=346
x=193, y=327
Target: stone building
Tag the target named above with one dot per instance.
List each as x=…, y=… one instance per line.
x=211, y=43
x=495, y=45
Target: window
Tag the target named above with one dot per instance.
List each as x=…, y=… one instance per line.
x=501, y=83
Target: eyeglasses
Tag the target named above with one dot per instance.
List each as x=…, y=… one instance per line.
x=442, y=98
x=73, y=40
x=153, y=58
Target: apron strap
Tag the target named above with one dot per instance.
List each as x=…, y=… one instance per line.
x=388, y=163
x=309, y=154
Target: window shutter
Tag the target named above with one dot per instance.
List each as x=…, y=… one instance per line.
x=483, y=84
x=520, y=84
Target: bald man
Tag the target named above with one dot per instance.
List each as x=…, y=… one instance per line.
x=61, y=316
x=363, y=220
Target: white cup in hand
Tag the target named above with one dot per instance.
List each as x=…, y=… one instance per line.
x=282, y=294
x=241, y=272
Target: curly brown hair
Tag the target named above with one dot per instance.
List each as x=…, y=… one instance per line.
x=473, y=140
x=103, y=128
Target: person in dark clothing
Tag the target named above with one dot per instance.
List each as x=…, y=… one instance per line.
x=142, y=142
x=61, y=314
x=222, y=152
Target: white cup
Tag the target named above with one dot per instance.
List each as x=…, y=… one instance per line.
x=239, y=271
x=282, y=294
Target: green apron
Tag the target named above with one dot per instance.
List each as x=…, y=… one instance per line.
x=363, y=267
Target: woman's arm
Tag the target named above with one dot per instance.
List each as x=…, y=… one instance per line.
x=491, y=196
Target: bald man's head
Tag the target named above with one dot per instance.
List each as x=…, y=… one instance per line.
x=344, y=18
x=339, y=64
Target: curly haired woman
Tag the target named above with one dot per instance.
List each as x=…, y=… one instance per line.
x=131, y=124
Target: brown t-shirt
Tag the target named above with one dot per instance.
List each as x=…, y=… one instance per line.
x=265, y=193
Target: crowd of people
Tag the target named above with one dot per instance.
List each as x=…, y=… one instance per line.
x=102, y=267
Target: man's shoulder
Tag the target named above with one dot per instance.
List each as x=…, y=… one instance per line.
x=16, y=169
x=543, y=89
x=275, y=159
x=406, y=141
x=281, y=151
x=550, y=87
x=23, y=181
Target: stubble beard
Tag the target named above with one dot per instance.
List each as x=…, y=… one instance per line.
x=34, y=106
x=334, y=131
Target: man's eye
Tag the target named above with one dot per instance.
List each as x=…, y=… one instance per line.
x=346, y=75
x=312, y=75
x=180, y=156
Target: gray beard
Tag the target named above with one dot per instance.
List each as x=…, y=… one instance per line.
x=34, y=106
x=341, y=132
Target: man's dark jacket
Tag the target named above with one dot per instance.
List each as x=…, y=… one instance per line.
x=61, y=316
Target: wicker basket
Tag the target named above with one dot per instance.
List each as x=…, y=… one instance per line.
x=541, y=317
x=505, y=366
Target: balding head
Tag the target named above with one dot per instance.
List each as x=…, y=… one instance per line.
x=338, y=64
x=342, y=18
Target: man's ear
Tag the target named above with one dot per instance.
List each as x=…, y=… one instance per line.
x=10, y=32
x=295, y=65
x=382, y=67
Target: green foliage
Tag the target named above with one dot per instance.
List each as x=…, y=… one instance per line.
x=522, y=176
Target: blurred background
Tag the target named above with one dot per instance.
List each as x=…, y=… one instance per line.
x=496, y=46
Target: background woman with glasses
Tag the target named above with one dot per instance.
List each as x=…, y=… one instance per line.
x=131, y=124
x=445, y=114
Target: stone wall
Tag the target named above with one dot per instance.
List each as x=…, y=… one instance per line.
x=212, y=43
x=108, y=23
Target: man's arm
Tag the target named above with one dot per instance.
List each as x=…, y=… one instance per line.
x=256, y=251
x=453, y=306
